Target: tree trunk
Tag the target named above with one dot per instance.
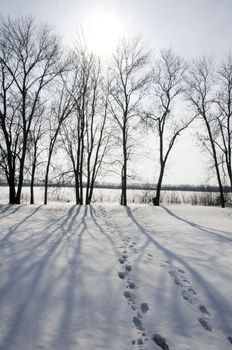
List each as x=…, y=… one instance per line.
x=156, y=199
x=124, y=168
x=46, y=182
x=32, y=184
x=20, y=182
x=12, y=192
x=222, y=198
x=77, y=188
x=124, y=185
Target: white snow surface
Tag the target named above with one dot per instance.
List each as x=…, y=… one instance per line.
x=110, y=277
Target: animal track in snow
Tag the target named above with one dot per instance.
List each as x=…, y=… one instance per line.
x=121, y=260
x=144, y=307
x=230, y=339
x=175, y=278
x=138, y=323
x=121, y=275
x=128, y=250
x=204, y=310
x=160, y=341
x=189, y=294
x=127, y=295
x=205, y=324
x=188, y=297
x=131, y=285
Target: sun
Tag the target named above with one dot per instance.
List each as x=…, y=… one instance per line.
x=103, y=30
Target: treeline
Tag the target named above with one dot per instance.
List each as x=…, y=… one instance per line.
x=67, y=117
x=133, y=186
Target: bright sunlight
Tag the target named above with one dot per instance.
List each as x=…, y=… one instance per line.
x=102, y=31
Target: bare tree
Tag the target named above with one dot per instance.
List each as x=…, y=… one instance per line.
x=129, y=83
x=35, y=148
x=84, y=137
x=30, y=58
x=224, y=113
x=200, y=92
x=167, y=85
x=60, y=108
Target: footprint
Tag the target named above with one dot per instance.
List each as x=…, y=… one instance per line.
x=121, y=260
x=121, y=275
x=204, y=323
x=192, y=291
x=230, y=339
x=203, y=309
x=138, y=324
x=131, y=285
x=160, y=341
x=127, y=295
x=177, y=281
x=185, y=280
x=128, y=268
x=144, y=307
x=186, y=296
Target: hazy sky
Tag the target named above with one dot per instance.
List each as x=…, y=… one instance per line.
x=190, y=27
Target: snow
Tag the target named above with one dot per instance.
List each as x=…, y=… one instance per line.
x=109, y=277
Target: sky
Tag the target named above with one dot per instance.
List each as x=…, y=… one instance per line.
x=190, y=27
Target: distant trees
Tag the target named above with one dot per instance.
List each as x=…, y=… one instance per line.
x=167, y=85
x=30, y=58
x=129, y=81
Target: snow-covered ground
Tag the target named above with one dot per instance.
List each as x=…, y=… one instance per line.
x=109, y=277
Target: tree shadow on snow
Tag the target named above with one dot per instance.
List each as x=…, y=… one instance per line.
x=212, y=293
x=32, y=275
x=45, y=289
x=218, y=234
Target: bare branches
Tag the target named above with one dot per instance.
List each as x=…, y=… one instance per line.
x=30, y=58
x=129, y=82
x=167, y=85
x=200, y=93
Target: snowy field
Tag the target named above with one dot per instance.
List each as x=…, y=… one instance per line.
x=115, y=278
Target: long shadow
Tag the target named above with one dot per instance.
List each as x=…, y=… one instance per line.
x=213, y=294
x=76, y=277
x=218, y=234
x=36, y=270
x=64, y=332
x=12, y=229
x=93, y=216
x=8, y=210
